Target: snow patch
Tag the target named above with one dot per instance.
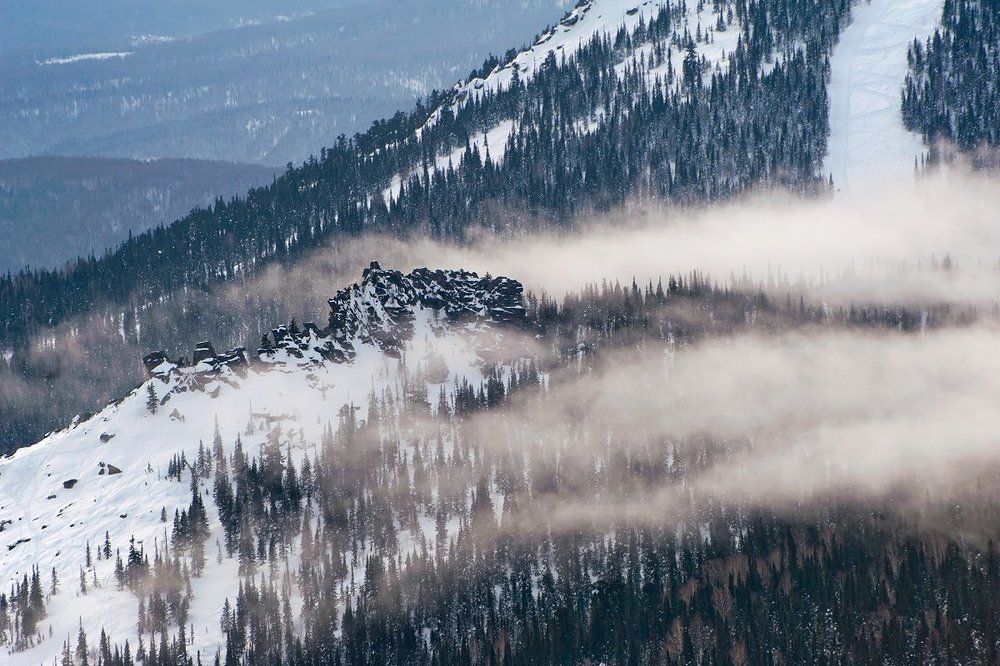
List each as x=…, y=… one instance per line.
x=108, y=55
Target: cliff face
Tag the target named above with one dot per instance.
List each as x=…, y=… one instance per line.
x=380, y=311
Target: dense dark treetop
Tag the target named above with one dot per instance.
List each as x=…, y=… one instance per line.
x=952, y=90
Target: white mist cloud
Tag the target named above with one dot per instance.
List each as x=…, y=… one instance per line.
x=885, y=248
x=812, y=416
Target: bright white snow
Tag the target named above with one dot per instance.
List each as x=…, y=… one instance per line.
x=869, y=147
x=50, y=525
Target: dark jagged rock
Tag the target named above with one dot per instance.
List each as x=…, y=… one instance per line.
x=153, y=360
x=380, y=310
x=203, y=351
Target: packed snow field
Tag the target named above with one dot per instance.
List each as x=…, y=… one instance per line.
x=868, y=146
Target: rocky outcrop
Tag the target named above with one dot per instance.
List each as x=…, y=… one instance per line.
x=379, y=311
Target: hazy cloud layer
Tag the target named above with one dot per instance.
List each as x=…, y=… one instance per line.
x=936, y=244
x=889, y=248
x=811, y=416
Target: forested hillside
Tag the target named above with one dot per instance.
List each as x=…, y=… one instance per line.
x=952, y=92
x=636, y=110
x=664, y=128
x=638, y=369
x=523, y=515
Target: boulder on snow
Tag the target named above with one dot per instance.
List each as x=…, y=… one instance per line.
x=69, y=483
x=112, y=470
x=202, y=351
x=153, y=360
x=106, y=437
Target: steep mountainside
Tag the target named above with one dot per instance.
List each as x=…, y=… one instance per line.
x=109, y=478
x=616, y=118
x=616, y=114
x=448, y=472
x=440, y=467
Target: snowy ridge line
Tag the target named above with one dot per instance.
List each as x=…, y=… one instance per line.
x=590, y=18
x=587, y=19
x=502, y=73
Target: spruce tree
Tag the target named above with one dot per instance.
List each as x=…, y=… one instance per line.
x=152, y=402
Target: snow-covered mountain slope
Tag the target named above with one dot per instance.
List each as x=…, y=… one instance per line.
x=588, y=20
x=869, y=147
x=107, y=477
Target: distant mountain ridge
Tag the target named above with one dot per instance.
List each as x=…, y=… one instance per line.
x=265, y=83
x=56, y=209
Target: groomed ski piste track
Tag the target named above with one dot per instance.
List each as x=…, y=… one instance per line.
x=869, y=148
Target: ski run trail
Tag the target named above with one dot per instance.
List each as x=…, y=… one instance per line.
x=869, y=147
